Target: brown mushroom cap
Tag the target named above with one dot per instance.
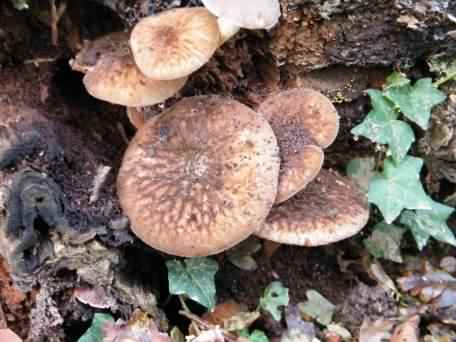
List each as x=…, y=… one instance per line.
x=174, y=43
x=249, y=14
x=330, y=209
x=200, y=177
x=112, y=76
x=302, y=119
x=311, y=109
x=115, y=43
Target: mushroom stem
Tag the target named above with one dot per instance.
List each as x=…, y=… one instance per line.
x=136, y=117
x=227, y=29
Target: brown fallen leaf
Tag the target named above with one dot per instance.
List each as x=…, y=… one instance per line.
x=231, y=316
x=407, y=331
x=140, y=327
x=7, y=335
x=213, y=335
x=433, y=287
x=222, y=312
x=375, y=331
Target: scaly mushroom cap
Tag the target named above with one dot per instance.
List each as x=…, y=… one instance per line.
x=111, y=74
x=174, y=43
x=310, y=109
x=249, y=14
x=302, y=120
x=200, y=177
x=115, y=43
x=330, y=209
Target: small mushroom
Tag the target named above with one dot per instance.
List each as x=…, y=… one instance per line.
x=200, y=177
x=304, y=121
x=330, y=209
x=174, y=43
x=236, y=14
x=112, y=76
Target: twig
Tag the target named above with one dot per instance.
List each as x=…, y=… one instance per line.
x=206, y=325
x=38, y=61
x=184, y=305
x=56, y=15
x=3, y=324
x=186, y=309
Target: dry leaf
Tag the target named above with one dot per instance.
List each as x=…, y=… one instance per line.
x=407, y=331
x=214, y=335
x=376, y=331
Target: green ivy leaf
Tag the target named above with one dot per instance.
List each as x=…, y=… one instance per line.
x=385, y=242
x=255, y=336
x=194, y=278
x=398, y=187
x=275, y=296
x=429, y=223
x=397, y=79
x=95, y=331
x=317, y=307
x=361, y=170
x=381, y=126
x=417, y=101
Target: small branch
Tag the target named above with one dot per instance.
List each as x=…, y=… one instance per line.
x=206, y=325
x=3, y=324
x=56, y=15
x=445, y=79
x=38, y=61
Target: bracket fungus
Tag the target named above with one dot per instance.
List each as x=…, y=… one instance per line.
x=174, y=43
x=304, y=121
x=236, y=14
x=330, y=209
x=200, y=177
x=111, y=74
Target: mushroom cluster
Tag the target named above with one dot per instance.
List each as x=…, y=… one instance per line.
x=153, y=62
x=209, y=172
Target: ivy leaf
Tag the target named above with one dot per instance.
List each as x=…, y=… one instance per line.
x=429, y=223
x=381, y=126
x=275, y=296
x=95, y=331
x=416, y=101
x=398, y=187
x=194, y=278
x=385, y=242
x=317, y=307
x=361, y=170
x=255, y=336
x=396, y=79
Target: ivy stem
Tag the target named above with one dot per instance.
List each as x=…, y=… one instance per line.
x=445, y=79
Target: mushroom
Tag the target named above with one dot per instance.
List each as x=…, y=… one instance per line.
x=236, y=14
x=330, y=209
x=111, y=74
x=200, y=177
x=139, y=115
x=304, y=122
x=174, y=43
